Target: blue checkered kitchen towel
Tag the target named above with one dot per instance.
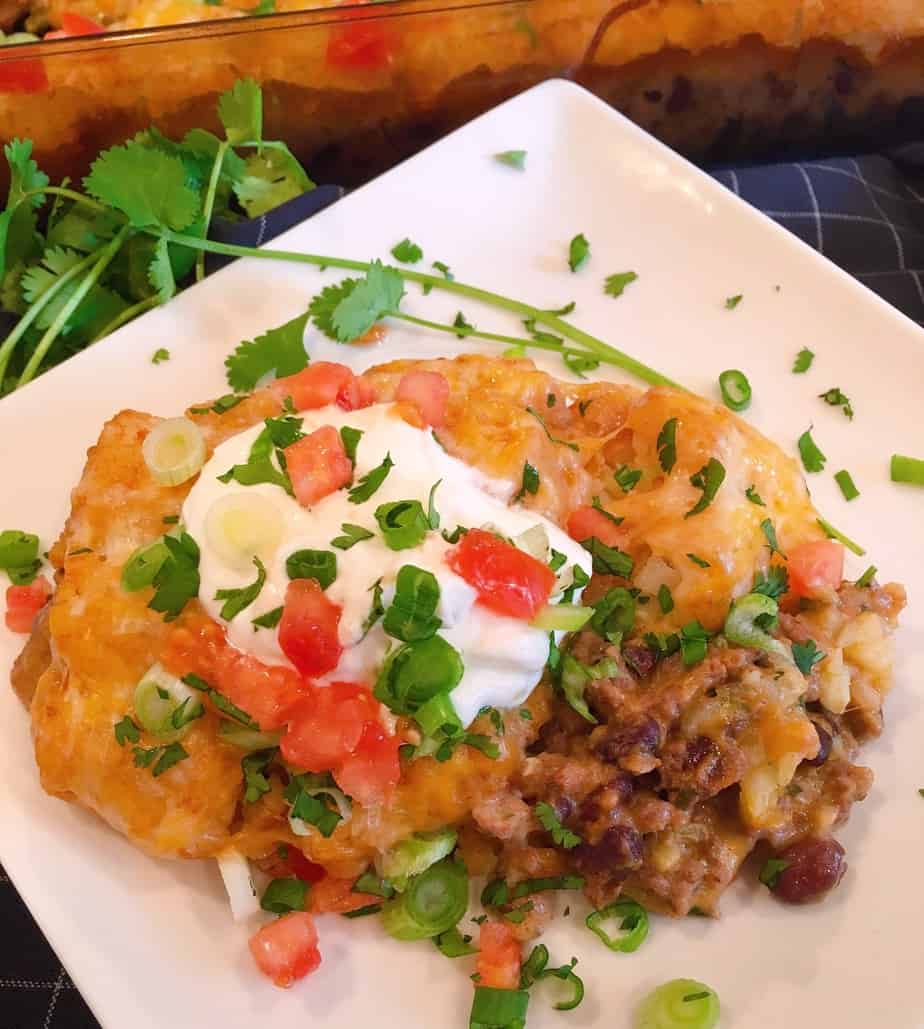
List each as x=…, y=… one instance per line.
x=865, y=214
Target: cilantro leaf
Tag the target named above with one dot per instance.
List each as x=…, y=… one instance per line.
x=256, y=784
x=406, y=252
x=376, y=610
x=147, y=186
x=462, y=326
x=812, y=458
x=608, y=560
x=754, y=497
x=708, y=479
x=376, y=294
x=221, y=702
x=322, y=306
x=259, y=467
x=578, y=363
x=19, y=240
x=694, y=641
x=241, y=111
x=836, y=398
x=513, y=158
x=806, y=655
x=627, y=478
x=351, y=438
x=732, y=302
x=444, y=270
x=774, y=584
x=699, y=561
x=269, y=620
x=306, y=806
x=578, y=252
x=25, y=174
x=803, y=361
x=769, y=531
x=549, y=821
x=615, y=285
x=280, y=350
x=667, y=445
x=271, y=178
x=170, y=755
x=665, y=599
x=177, y=579
x=160, y=355
x=530, y=482
x=160, y=273
x=352, y=534
x=126, y=731
x=370, y=482
x=549, y=436
x=236, y=600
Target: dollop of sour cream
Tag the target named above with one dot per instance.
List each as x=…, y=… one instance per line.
x=503, y=657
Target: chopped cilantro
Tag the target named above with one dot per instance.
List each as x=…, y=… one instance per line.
x=126, y=731
x=609, y=516
x=708, y=479
x=551, y=438
x=732, y=302
x=615, y=285
x=665, y=599
x=667, y=445
x=812, y=458
x=697, y=560
x=513, y=158
x=221, y=405
x=284, y=895
x=462, y=326
x=350, y=438
x=376, y=610
x=549, y=821
x=406, y=252
x=160, y=355
x=754, y=497
x=256, y=783
x=550, y=400
x=578, y=252
x=836, y=398
x=694, y=640
x=370, y=482
x=608, y=560
x=627, y=478
x=177, y=579
x=269, y=620
x=766, y=527
x=803, y=361
x=352, y=534
x=351, y=310
x=529, y=483
x=806, y=655
x=579, y=363
x=236, y=600
x=303, y=794
x=444, y=270
x=280, y=351
x=774, y=584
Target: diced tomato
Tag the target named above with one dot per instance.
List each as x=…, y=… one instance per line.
x=73, y=24
x=287, y=949
x=295, y=863
x=498, y=962
x=23, y=603
x=325, y=729
x=265, y=692
x=508, y=580
x=370, y=774
x=318, y=465
x=309, y=628
x=428, y=392
x=585, y=522
x=814, y=568
x=335, y=896
x=362, y=45
x=324, y=383
x=23, y=75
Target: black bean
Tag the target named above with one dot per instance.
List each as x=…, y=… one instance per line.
x=644, y=736
x=698, y=751
x=640, y=659
x=619, y=848
x=813, y=867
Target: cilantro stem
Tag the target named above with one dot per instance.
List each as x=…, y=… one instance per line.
x=103, y=257
x=209, y=204
x=611, y=355
x=71, y=194
x=35, y=309
x=127, y=315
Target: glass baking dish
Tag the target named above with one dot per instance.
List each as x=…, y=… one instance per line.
x=354, y=89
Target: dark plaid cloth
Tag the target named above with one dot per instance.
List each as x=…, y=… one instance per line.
x=865, y=214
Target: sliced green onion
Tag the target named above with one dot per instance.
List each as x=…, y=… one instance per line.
x=404, y=523
x=907, y=469
x=320, y=565
x=369, y=882
x=736, y=390
x=139, y=570
x=416, y=672
x=679, y=1004
x=614, y=614
x=438, y=715
x=284, y=895
x=243, y=526
x=369, y=909
x=867, y=577
x=235, y=874
x=433, y=903
x=247, y=739
x=574, y=679
x=164, y=705
x=833, y=534
x=561, y=618
x=174, y=451
x=633, y=922
x=452, y=944
x=415, y=855
x=411, y=616
x=493, y=1008
x=848, y=487
x=748, y=620
x=566, y=974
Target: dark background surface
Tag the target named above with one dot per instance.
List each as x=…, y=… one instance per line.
x=865, y=214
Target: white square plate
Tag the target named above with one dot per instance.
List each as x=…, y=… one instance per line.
x=150, y=943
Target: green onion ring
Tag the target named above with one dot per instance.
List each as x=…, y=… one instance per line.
x=736, y=390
